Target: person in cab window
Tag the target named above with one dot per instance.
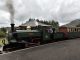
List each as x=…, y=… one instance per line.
x=50, y=30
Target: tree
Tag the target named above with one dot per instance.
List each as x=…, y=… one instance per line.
x=3, y=29
x=51, y=22
x=2, y=34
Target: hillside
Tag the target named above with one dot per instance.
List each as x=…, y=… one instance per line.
x=73, y=23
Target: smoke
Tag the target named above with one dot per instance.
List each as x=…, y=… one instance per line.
x=9, y=4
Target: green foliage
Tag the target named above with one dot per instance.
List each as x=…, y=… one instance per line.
x=3, y=29
x=2, y=34
x=50, y=22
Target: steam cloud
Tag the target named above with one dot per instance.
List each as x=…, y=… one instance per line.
x=9, y=4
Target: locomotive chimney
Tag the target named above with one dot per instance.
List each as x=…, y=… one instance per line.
x=9, y=4
x=12, y=27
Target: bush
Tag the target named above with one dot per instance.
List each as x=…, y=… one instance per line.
x=3, y=29
x=2, y=34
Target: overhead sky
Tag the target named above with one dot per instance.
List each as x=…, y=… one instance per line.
x=62, y=11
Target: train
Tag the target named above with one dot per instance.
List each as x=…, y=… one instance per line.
x=41, y=36
x=24, y=38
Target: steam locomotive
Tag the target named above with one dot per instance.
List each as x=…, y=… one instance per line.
x=31, y=36
x=23, y=38
x=40, y=36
